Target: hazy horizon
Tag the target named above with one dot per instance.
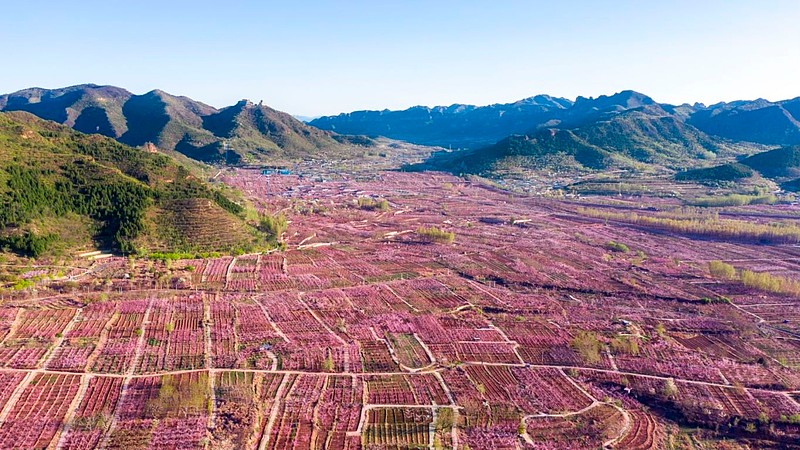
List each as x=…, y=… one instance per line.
x=325, y=58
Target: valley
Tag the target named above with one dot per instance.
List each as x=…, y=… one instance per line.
x=518, y=225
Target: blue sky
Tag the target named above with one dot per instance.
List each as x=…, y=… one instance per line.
x=325, y=57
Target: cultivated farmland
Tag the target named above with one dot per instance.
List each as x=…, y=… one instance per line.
x=527, y=330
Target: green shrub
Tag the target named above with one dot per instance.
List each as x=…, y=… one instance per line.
x=617, y=247
x=669, y=388
x=226, y=204
x=435, y=235
x=722, y=270
x=625, y=344
x=369, y=204
x=715, y=299
x=28, y=244
x=328, y=364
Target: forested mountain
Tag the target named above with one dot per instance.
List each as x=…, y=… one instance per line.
x=781, y=162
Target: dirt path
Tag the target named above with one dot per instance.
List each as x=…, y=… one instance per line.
x=626, y=426
x=228, y=271
x=14, y=326
x=207, y=354
x=432, y=370
x=273, y=414
x=129, y=375
x=272, y=322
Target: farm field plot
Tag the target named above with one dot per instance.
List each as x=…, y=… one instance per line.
x=338, y=413
x=83, y=338
x=32, y=335
x=536, y=326
x=398, y=428
x=93, y=414
x=161, y=411
x=39, y=411
x=243, y=401
x=173, y=338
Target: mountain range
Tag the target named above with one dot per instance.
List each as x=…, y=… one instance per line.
x=252, y=132
x=467, y=126
x=624, y=130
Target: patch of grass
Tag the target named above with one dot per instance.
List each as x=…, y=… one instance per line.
x=176, y=398
x=587, y=345
x=273, y=225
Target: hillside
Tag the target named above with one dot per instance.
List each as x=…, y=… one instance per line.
x=781, y=165
x=558, y=150
x=781, y=162
x=255, y=133
x=62, y=190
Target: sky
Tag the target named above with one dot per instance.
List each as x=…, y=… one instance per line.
x=325, y=57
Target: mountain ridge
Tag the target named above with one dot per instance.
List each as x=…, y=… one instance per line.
x=176, y=123
x=440, y=124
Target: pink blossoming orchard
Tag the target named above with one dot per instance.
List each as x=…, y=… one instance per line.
x=520, y=323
